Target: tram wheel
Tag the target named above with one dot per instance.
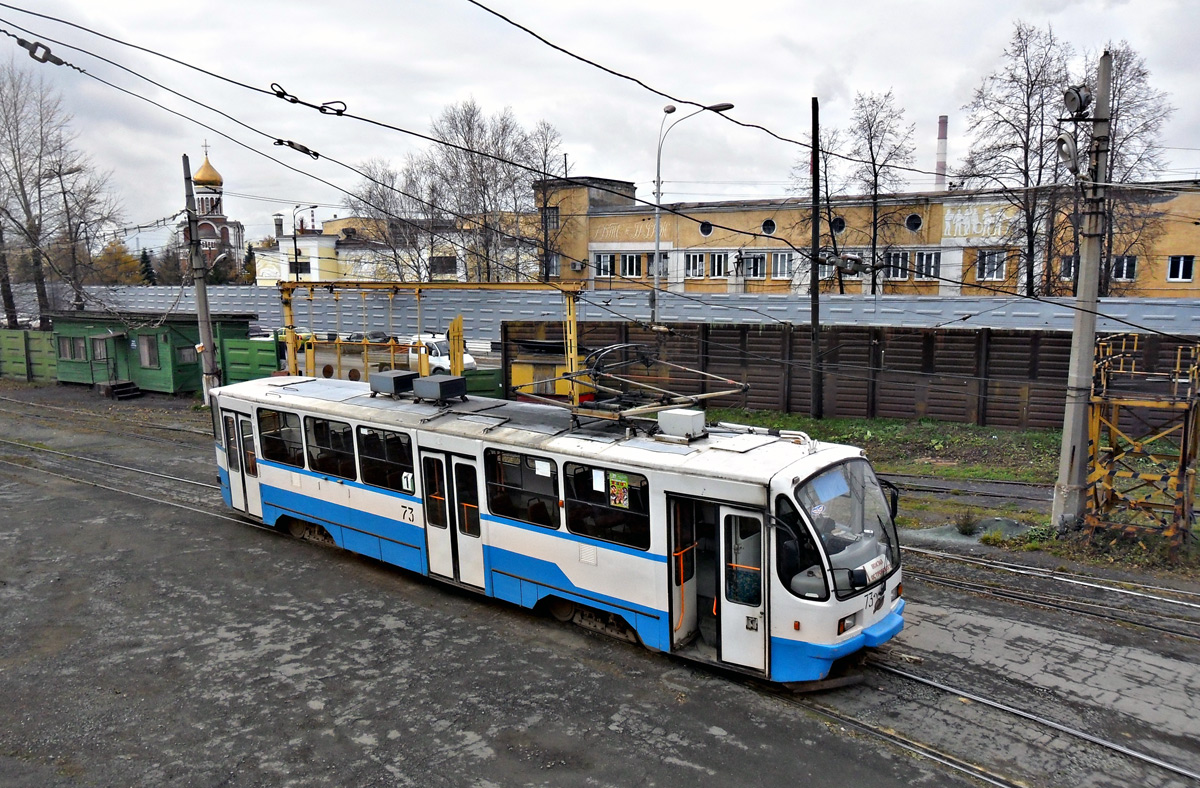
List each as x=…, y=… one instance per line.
x=561, y=609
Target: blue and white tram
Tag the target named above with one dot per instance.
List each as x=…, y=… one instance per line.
x=768, y=554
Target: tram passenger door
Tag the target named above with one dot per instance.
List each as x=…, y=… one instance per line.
x=743, y=590
x=453, y=535
x=242, y=460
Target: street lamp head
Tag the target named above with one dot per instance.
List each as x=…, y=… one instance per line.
x=722, y=107
x=667, y=110
x=219, y=258
x=1077, y=98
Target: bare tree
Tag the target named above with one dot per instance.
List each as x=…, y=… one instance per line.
x=49, y=190
x=485, y=172
x=472, y=194
x=880, y=143
x=834, y=184
x=1013, y=117
x=405, y=225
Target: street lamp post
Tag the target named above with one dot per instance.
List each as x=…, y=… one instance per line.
x=295, y=246
x=662, y=135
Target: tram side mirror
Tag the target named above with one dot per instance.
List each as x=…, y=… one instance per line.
x=855, y=578
x=893, y=497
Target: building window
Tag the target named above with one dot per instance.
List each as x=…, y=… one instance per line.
x=662, y=263
x=838, y=225
x=279, y=434
x=148, y=351
x=631, y=265
x=706, y=229
x=781, y=265
x=1124, y=267
x=913, y=222
x=610, y=505
x=552, y=264
x=991, y=265
x=299, y=265
x=72, y=348
x=522, y=487
x=604, y=265
x=753, y=266
x=718, y=264
x=929, y=265
x=330, y=447
x=1068, y=265
x=186, y=354
x=387, y=459
x=99, y=350
x=443, y=265
x=693, y=265
x=895, y=265
x=1179, y=267
x=550, y=217
x=768, y=227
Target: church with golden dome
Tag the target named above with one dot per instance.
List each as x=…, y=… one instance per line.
x=218, y=234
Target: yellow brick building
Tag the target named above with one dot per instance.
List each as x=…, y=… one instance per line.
x=955, y=242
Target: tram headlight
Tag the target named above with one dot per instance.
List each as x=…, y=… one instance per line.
x=847, y=623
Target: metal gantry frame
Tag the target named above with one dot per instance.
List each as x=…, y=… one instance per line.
x=287, y=293
x=602, y=371
x=1143, y=431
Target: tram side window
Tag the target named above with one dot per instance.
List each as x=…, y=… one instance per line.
x=330, y=447
x=522, y=487
x=797, y=559
x=279, y=432
x=610, y=505
x=386, y=458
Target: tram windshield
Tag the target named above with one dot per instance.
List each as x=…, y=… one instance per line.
x=849, y=510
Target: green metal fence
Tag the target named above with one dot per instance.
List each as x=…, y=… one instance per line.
x=247, y=359
x=28, y=355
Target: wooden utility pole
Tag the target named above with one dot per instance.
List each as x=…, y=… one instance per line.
x=1070, y=493
x=208, y=364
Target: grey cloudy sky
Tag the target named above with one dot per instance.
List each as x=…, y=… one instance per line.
x=402, y=61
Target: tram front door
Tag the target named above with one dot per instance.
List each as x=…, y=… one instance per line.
x=743, y=596
x=242, y=462
x=452, y=525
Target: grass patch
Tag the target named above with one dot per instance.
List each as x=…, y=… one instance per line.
x=926, y=447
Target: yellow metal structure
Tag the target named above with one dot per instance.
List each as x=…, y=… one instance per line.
x=454, y=338
x=389, y=355
x=1143, y=441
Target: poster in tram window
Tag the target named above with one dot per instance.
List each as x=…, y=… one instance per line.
x=618, y=490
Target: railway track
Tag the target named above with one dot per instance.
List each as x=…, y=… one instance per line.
x=1174, y=612
x=77, y=468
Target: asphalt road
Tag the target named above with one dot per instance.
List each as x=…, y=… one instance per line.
x=143, y=644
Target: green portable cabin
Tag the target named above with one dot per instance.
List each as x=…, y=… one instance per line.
x=150, y=350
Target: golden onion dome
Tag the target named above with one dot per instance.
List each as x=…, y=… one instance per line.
x=207, y=175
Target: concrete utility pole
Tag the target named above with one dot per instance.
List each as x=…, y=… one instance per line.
x=1070, y=492
x=816, y=406
x=208, y=363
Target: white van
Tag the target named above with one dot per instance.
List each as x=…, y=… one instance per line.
x=438, y=349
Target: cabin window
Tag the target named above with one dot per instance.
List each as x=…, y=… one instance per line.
x=279, y=432
x=330, y=447
x=387, y=460
x=522, y=487
x=797, y=559
x=148, y=350
x=99, y=350
x=610, y=505
x=186, y=354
